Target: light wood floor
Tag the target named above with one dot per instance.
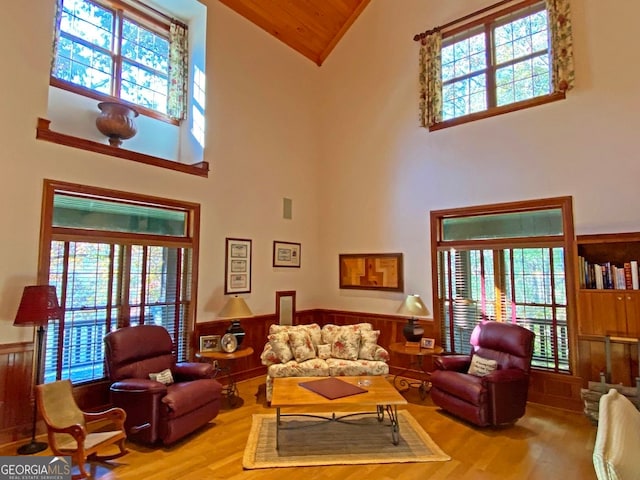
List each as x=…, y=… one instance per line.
x=546, y=444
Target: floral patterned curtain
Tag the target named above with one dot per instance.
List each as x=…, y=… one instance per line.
x=561, y=44
x=430, y=79
x=56, y=33
x=178, y=71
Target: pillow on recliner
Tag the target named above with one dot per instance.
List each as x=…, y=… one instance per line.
x=163, y=377
x=482, y=366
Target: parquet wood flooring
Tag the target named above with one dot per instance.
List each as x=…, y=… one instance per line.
x=546, y=444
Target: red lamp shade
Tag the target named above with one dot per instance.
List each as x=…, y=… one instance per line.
x=39, y=304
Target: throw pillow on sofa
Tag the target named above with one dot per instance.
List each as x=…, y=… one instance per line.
x=368, y=344
x=280, y=345
x=301, y=345
x=346, y=344
x=324, y=351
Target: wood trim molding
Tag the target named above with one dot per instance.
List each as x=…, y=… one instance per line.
x=43, y=132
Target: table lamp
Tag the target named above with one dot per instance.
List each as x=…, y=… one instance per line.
x=236, y=308
x=39, y=304
x=414, y=307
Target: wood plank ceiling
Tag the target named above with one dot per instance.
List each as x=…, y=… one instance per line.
x=311, y=27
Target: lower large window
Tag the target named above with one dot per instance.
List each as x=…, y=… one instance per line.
x=116, y=260
x=506, y=263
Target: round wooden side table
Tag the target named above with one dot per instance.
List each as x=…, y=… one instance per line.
x=415, y=355
x=223, y=363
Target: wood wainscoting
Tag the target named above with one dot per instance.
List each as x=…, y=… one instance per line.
x=16, y=386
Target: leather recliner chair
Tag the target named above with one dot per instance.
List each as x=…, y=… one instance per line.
x=155, y=411
x=497, y=398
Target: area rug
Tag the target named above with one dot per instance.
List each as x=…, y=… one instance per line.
x=320, y=442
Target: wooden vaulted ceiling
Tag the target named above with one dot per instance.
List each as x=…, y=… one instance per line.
x=311, y=27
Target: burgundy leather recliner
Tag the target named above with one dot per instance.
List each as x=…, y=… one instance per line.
x=497, y=398
x=158, y=412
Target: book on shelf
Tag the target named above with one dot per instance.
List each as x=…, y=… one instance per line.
x=627, y=276
x=605, y=275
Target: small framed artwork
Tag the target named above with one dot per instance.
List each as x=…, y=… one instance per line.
x=210, y=343
x=371, y=271
x=237, y=266
x=286, y=254
x=428, y=343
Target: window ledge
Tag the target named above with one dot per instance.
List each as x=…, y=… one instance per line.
x=43, y=132
x=492, y=112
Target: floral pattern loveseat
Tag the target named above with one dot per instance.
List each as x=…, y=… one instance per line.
x=311, y=351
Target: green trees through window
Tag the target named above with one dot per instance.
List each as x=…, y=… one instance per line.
x=113, y=52
x=116, y=260
x=504, y=60
x=506, y=263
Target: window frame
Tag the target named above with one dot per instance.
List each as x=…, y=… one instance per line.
x=487, y=24
x=120, y=11
x=566, y=241
x=189, y=241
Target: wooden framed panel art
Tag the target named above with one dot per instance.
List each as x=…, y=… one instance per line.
x=237, y=268
x=286, y=254
x=372, y=271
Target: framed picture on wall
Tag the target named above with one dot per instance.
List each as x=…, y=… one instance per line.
x=371, y=271
x=286, y=254
x=237, y=266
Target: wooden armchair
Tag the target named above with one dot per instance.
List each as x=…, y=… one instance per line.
x=67, y=426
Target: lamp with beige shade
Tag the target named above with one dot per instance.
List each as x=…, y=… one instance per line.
x=235, y=309
x=414, y=307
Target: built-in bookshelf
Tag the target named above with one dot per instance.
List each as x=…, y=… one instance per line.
x=608, y=277
x=609, y=261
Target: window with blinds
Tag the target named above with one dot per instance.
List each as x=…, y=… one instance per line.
x=111, y=272
x=497, y=272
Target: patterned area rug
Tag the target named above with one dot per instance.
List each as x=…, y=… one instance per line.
x=308, y=441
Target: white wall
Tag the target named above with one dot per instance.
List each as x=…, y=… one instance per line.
x=261, y=144
x=343, y=142
x=382, y=174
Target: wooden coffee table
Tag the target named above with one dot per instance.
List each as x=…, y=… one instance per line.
x=380, y=394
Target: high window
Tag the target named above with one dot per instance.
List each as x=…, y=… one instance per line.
x=116, y=260
x=498, y=63
x=506, y=263
x=110, y=50
x=510, y=59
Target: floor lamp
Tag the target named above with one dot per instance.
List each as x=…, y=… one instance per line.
x=39, y=304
